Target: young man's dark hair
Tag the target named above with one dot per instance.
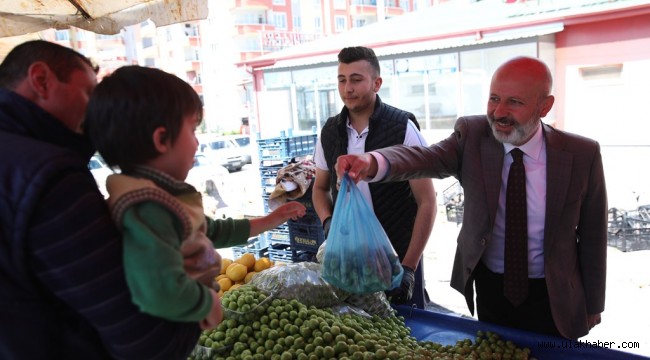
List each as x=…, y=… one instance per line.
x=154, y=107
x=351, y=54
x=61, y=60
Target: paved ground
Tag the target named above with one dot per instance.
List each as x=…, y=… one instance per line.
x=627, y=313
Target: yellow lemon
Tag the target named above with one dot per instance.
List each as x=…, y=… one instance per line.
x=219, y=277
x=249, y=276
x=247, y=260
x=224, y=264
x=235, y=286
x=236, y=272
x=262, y=263
x=225, y=283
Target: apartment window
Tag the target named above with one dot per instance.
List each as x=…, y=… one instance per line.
x=318, y=24
x=192, y=54
x=280, y=20
x=147, y=42
x=359, y=23
x=279, y=2
x=150, y=62
x=62, y=35
x=297, y=23
x=108, y=37
x=339, y=23
x=191, y=30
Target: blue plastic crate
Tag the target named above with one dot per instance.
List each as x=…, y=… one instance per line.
x=279, y=235
x=238, y=251
x=280, y=253
x=282, y=148
x=271, y=171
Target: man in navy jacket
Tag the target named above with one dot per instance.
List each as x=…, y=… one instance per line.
x=64, y=294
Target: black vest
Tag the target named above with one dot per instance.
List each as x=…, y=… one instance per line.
x=393, y=202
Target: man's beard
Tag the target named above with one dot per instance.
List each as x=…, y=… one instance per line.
x=520, y=132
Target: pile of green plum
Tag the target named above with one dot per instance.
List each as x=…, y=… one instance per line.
x=282, y=329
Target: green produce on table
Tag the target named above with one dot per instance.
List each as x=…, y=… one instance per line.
x=301, y=281
x=373, y=303
x=283, y=329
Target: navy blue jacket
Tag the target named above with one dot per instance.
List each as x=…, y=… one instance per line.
x=396, y=210
x=63, y=290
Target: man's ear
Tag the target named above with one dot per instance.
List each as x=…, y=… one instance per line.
x=547, y=105
x=39, y=78
x=160, y=139
x=378, y=82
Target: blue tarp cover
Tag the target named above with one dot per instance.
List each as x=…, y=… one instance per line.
x=447, y=329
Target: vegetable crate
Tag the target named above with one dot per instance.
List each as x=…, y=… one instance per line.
x=279, y=235
x=282, y=148
x=257, y=246
x=305, y=237
x=280, y=252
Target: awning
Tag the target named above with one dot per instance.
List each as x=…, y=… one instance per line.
x=18, y=17
x=429, y=45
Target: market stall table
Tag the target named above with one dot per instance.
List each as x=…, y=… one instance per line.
x=447, y=329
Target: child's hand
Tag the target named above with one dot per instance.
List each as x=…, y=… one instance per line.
x=290, y=210
x=215, y=316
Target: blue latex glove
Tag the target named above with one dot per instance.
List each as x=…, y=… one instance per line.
x=404, y=292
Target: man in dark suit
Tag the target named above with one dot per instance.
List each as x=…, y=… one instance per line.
x=566, y=204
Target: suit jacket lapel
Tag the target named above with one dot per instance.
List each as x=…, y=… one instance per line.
x=492, y=154
x=558, y=176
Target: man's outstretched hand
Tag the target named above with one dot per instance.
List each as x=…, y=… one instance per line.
x=358, y=167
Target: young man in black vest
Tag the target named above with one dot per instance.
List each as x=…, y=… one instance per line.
x=405, y=209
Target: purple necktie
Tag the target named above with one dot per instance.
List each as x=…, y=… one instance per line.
x=515, y=274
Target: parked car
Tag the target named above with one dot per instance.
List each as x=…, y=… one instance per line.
x=222, y=151
x=205, y=175
x=100, y=172
x=244, y=142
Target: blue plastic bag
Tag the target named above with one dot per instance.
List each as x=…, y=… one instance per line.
x=359, y=257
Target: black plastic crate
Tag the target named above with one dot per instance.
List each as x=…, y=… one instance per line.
x=302, y=256
x=305, y=199
x=286, y=147
x=303, y=236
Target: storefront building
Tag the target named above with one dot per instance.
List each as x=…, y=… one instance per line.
x=437, y=64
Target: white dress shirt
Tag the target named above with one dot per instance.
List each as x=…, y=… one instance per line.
x=357, y=144
x=535, y=164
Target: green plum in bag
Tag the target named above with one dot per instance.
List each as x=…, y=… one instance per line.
x=359, y=257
